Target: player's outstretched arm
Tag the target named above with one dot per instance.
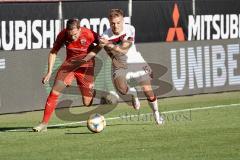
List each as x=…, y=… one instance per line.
x=51, y=61
x=92, y=53
x=116, y=49
x=120, y=49
x=88, y=57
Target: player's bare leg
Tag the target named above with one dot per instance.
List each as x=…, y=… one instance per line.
x=88, y=95
x=50, y=106
x=122, y=86
x=85, y=81
x=87, y=101
x=152, y=100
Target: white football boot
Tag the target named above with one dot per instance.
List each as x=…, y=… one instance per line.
x=136, y=103
x=158, y=118
x=42, y=127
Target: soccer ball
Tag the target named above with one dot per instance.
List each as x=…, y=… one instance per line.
x=112, y=98
x=96, y=123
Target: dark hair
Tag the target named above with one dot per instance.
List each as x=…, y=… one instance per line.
x=115, y=13
x=72, y=23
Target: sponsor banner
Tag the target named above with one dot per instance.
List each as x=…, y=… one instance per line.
x=196, y=67
x=185, y=68
x=186, y=21
x=22, y=27
x=93, y=14
x=214, y=20
x=26, y=26
x=157, y=21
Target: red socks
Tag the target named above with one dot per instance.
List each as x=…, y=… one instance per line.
x=50, y=107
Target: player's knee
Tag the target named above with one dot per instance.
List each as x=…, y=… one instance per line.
x=151, y=98
x=150, y=95
x=56, y=92
x=58, y=87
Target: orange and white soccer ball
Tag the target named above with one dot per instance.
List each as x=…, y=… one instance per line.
x=96, y=123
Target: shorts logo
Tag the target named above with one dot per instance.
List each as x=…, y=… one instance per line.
x=178, y=31
x=147, y=69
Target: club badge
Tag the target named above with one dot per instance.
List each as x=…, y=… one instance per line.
x=83, y=42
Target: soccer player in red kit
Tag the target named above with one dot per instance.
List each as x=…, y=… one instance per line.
x=81, y=46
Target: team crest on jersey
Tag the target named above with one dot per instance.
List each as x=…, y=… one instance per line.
x=83, y=42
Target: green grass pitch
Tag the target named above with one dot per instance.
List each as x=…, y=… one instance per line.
x=197, y=134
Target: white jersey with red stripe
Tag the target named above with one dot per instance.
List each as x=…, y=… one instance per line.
x=128, y=33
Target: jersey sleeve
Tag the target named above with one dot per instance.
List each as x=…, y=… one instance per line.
x=59, y=41
x=95, y=37
x=130, y=34
x=105, y=34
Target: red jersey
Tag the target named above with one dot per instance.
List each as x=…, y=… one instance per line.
x=79, y=48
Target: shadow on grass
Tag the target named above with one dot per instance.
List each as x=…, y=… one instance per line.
x=73, y=133
x=29, y=129
x=130, y=124
x=15, y=129
x=109, y=125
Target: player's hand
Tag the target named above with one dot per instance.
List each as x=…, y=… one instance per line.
x=46, y=78
x=103, y=42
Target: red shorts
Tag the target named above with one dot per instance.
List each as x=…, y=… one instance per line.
x=83, y=75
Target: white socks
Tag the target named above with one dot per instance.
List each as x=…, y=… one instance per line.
x=153, y=105
x=158, y=118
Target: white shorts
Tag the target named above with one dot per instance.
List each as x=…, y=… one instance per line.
x=137, y=72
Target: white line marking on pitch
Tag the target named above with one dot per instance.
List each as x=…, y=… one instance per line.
x=113, y=118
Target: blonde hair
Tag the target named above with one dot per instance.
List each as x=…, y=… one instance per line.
x=115, y=13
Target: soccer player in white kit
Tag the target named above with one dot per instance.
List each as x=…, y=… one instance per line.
x=127, y=62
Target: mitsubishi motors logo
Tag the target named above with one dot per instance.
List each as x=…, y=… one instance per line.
x=178, y=31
